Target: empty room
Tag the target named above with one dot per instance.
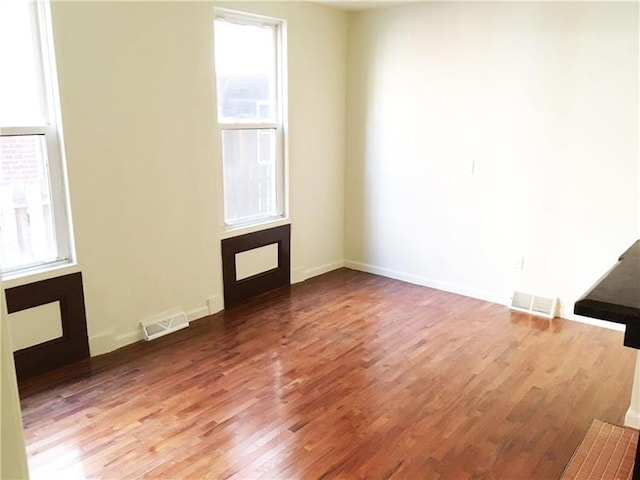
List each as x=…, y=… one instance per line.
x=298, y=240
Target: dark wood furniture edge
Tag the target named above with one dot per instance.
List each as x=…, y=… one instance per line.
x=610, y=310
x=625, y=277
x=606, y=311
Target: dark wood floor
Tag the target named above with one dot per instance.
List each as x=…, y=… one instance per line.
x=347, y=375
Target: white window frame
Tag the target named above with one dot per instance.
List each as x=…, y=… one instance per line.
x=279, y=125
x=52, y=132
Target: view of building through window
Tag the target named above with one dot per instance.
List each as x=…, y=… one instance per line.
x=34, y=227
x=250, y=117
x=27, y=234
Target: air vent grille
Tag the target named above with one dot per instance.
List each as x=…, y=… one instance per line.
x=536, y=305
x=158, y=328
x=521, y=300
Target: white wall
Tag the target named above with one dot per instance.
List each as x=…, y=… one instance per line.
x=541, y=98
x=13, y=456
x=137, y=99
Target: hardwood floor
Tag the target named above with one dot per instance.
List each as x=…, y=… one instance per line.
x=347, y=375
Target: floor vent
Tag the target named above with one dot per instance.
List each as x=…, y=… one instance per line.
x=158, y=328
x=541, y=306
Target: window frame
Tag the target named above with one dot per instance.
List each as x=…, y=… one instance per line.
x=51, y=130
x=279, y=125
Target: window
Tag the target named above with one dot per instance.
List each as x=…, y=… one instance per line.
x=34, y=222
x=248, y=62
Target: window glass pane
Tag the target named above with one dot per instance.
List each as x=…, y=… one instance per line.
x=27, y=234
x=21, y=96
x=250, y=174
x=245, y=57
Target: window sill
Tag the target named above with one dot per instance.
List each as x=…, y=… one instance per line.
x=235, y=231
x=36, y=275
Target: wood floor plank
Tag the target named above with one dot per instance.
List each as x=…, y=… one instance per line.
x=347, y=375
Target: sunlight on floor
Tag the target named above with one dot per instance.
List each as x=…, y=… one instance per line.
x=62, y=461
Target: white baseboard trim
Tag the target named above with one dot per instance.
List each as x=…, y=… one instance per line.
x=137, y=335
x=128, y=338
x=198, y=313
x=427, y=282
x=469, y=292
x=215, y=304
x=108, y=342
x=632, y=419
x=298, y=275
x=101, y=343
x=326, y=268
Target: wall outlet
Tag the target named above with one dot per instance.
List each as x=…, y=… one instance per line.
x=518, y=262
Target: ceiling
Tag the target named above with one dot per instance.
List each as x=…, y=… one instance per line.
x=355, y=5
x=358, y=5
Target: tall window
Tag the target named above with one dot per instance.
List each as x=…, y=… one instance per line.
x=248, y=62
x=34, y=223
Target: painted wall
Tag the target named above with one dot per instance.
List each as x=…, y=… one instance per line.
x=13, y=456
x=479, y=133
x=138, y=110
